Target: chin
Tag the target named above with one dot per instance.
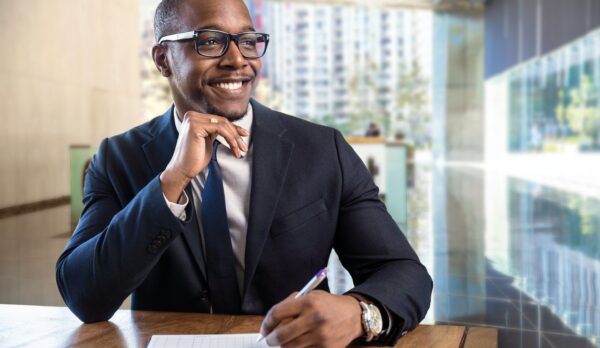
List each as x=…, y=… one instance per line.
x=231, y=114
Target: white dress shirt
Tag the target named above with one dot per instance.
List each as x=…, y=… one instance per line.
x=236, y=174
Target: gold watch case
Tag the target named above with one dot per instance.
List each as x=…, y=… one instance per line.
x=371, y=320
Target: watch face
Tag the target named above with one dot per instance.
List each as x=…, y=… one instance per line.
x=376, y=321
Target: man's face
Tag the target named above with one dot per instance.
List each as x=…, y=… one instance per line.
x=212, y=85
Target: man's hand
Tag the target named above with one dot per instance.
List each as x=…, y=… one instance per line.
x=315, y=319
x=194, y=148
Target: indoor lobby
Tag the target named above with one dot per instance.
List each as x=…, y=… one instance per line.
x=478, y=119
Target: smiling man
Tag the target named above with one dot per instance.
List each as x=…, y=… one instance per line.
x=222, y=205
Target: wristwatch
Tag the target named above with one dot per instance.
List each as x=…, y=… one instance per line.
x=371, y=321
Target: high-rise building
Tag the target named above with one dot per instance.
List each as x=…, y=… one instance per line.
x=341, y=63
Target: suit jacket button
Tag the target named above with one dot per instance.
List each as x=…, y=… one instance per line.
x=204, y=296
x=166, y=233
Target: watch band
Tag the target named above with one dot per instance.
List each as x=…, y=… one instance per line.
x=389, y=319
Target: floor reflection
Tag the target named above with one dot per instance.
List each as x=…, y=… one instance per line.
x=510, y=254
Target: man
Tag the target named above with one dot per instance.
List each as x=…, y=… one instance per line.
x=223, y=205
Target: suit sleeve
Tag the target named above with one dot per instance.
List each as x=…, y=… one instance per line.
x=114, y=247
x=372, y=248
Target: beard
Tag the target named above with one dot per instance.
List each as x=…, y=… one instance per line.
x=211, y=109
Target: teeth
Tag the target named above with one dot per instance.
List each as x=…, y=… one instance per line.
x=230, y=85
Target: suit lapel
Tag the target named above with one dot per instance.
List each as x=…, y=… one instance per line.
x=160, y=147
x=159, y=151
x=271, y=154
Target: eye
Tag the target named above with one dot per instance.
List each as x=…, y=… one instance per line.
x=209, y=42
x=208, y=39
x=248, y=42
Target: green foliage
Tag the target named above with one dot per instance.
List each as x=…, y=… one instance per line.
x=583, y=112
x=412, y=102
x=363, y=90
x=561, y=110
x=330, y=120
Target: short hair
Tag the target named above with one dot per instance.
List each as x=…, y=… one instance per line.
x=165, y=18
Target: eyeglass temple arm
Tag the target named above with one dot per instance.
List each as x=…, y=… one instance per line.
x=177, y=37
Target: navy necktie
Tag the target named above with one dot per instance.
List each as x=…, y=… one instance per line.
x=220, y=261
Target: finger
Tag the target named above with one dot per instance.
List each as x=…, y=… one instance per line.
x=215, y=119
x=201, y=125
x=231, y=139
x=242, y=144
x=242, y=131
x=286, y=309
x=238, y=137
x=237, y=131
x=289, y=331
x=236, y=144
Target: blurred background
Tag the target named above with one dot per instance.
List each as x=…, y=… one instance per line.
x=479, y=120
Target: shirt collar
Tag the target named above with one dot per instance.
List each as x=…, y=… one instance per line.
x=244, y=122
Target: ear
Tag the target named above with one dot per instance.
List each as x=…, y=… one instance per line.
x=159, y=55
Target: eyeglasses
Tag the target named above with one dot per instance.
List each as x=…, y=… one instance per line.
x=214, y=43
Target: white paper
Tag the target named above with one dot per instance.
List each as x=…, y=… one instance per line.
x=207, y=341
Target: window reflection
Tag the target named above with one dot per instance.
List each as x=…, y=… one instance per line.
x=559, y=261
x=553, y=101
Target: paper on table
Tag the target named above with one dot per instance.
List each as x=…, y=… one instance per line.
x=207, y=341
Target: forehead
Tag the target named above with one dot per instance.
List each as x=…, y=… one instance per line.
x=227, y=15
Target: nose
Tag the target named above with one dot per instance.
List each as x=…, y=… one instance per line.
x=233, y=58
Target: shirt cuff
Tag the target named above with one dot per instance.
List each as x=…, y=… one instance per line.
x=178, y=209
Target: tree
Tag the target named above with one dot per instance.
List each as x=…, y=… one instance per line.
x=561, y=111
x=583, y=112
x=363, y=88
x=412, y=102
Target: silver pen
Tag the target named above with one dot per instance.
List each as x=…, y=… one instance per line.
x=311, y=285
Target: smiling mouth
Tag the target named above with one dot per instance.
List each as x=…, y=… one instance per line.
x=231, y=85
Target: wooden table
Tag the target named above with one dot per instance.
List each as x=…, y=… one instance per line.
x=38, y=326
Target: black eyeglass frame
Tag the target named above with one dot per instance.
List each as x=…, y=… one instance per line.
x=193, y=35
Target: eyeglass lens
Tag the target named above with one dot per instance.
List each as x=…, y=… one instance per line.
x=213, y=44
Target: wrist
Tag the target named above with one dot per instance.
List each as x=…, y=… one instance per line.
x=358, y=329
x=172, y=184
x=371, y=318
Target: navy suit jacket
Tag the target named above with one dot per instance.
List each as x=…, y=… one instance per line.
x=310, y=193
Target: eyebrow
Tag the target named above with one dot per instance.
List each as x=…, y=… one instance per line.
x=218, y=27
